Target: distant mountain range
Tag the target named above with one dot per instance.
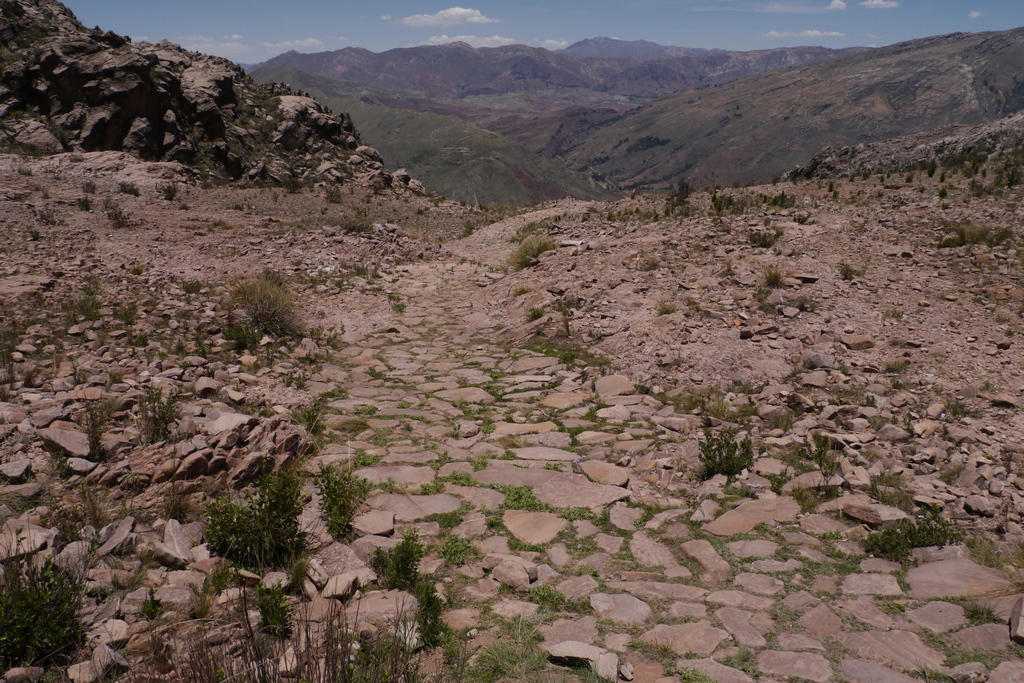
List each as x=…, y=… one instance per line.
x=539, y=103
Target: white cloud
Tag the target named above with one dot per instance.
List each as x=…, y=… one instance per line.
x=233, y=37
x=475, y=41
x=802, y=34
x=837, y=4
x=880, y=4
x=385, y=17
x=974, y=15
x=554, y=44
x=452, y=16
x=304, y=44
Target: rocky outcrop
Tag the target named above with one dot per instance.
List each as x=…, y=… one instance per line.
x=944, y=146
x=64, y=87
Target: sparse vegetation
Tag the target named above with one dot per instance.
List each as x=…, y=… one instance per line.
x=721, y=453
x=28, y=591
x=266, y=304
x=341, y=493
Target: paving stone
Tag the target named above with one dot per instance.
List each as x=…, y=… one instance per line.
x=871, y=584
x=957, y=578
x=737, y=622
x=859, y=671
x=649, y=553
x=406, y=475
x=535, y=528
x=901, y=649
x=613, y=385
x=740, y=599
x=683, y=639
x=655, y=589
x=466, y=395
x=756, y=548
x=866, y=610
x=684, y=610
x=545, y=453
x=582, y=630
x=702, y=552
x=714, y=670
x=578, y=492
x=620, y=608
x=514, y=609
x=376, y=523
x=807, y=665
x=408, y=508
x=605, y=473
x=577, y=587
x=821, y=622
x=748, y=515
x=759, y=583
x=560, y=401
x=938, y=616
x=984, y=637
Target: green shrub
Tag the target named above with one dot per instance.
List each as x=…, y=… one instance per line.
x=773, y=276
x=848, y=272
x=896, y=542
x=125, y=187
x=275, y=612
x=399, y=567
x=158, y=413
x=244, y=337
x=262, y=529
x=764, y=239
x=722, y=454
x=94, y=420
x=29, y=593
x=455, y=550
x=341, y=493
x=266, y=304
x=529, y=250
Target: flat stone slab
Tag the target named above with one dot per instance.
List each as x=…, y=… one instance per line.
x=746, y=516
x=737, y=622
x=700, y=637
x=564, y=401
x=859, y=671
x=759, y=583
x=902, y=649
x=620, y=608
x=657, y=589
x=605, y=473
x=583, y=630
x=984, y=637
x=577, y=587
x=466, y=395
x=758, y=548
x=871, y=584
x=714, y=670
x=409, y=508
x=957, y=578
x=613, y=385
x=407, y=475
x=382, y=606
x=704, y=554
x=574, y=490
x=514, y=429
x=740, y=599
x=535, y=528
x=513, y=476
x=545, y=453
x=650, y=553
x=807, y=665
x=938, y=616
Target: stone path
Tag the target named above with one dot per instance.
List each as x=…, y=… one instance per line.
x=548, y=465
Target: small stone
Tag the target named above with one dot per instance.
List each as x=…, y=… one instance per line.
x=857, y=342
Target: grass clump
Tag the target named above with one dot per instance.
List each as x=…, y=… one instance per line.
x=666, y=308
x=266, y=304
x=455, y=550
x=722, y=454
x=773, y=276
x=398, y=568
x=157, y=413
x=762, y=239
x=896, y=542
x=275, y=612
x=341, y=493
x=262, y=529
x=848, y=272
x=29, y=591
x=529, y=251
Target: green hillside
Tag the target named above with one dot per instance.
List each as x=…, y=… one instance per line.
x=450, y=156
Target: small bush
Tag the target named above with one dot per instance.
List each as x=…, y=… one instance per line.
x=455, y=550
x=29, y=592
x=848, y=272
x=169, y=191
x=764, y=240
x=245, y=338
x=722, y=454
x=535, y=313
x=773, y=276
x=262, y=529
x=116, y=215
x=157, y=413
x=398, y=568
x=333, y=194
x=666, y=308
x=529, y=251
x=275, y=612
x=266, y=304
x=128, y=188
x=895, y=543
x=94, y=420
x=341, y=493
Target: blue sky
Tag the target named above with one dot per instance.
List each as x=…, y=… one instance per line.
x=250, y=31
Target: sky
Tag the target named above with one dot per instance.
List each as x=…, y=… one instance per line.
x=251, y=31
